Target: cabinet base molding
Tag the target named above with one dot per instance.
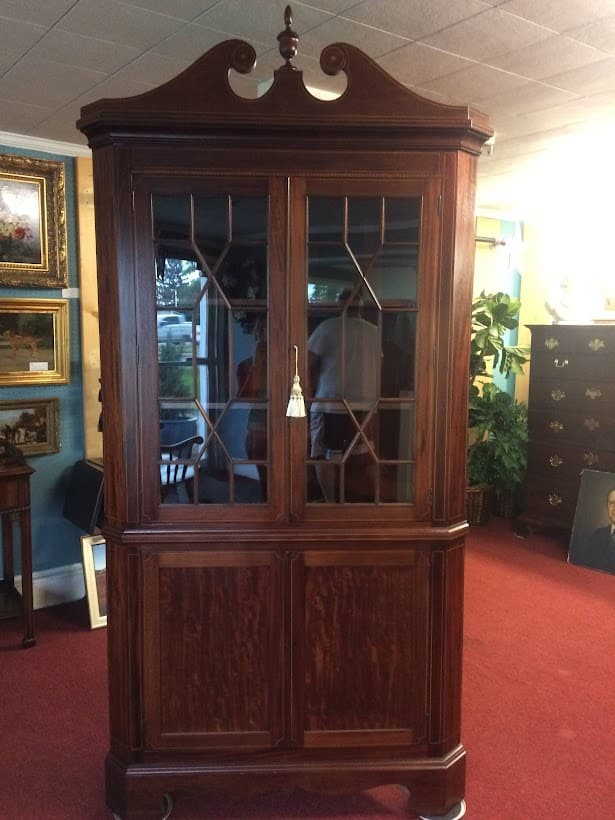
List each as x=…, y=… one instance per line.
x=136, y=791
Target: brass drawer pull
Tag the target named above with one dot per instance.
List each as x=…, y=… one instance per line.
x=558, y=395
x=590, y=458
x=555, y=460
x=563, y=363
x=593, y=393
x=551, y=343
x=596, y=344
x=591, y=423
x=556, y=426
x=554, y=499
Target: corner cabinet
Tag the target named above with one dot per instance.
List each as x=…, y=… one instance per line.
x=285, y=592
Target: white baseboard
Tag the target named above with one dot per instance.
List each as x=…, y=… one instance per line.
x=59, y=585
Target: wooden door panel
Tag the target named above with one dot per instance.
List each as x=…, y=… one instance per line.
x=365, y=648
x=213, y=648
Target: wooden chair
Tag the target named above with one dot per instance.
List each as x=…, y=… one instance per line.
x=178, y=463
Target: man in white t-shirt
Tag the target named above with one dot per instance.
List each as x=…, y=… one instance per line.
x=345, y=360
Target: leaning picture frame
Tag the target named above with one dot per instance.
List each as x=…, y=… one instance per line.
x=32, y=223
x=94, y=552
x=34, y=342
x=31, y=425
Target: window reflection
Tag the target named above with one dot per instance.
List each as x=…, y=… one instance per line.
x=211, y=289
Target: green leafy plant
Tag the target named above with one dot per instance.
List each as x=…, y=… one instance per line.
x=497, y=423
x=493, y=314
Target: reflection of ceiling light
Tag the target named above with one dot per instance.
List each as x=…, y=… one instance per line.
x=488, y=146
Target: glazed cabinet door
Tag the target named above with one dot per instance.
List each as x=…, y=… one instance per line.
x=364, y=259
x=361, y=638
x=210, y=324
x=213, y=651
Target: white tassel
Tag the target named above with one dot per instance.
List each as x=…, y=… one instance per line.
x=296, y=404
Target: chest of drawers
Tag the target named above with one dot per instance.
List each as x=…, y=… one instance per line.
x=571, y=417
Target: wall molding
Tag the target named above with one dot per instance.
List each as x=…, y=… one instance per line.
x=68, y=149
x=58, y=585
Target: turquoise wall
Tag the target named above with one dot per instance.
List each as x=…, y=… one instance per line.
x=55, y=541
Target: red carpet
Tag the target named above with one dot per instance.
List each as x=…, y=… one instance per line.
x=538, y=721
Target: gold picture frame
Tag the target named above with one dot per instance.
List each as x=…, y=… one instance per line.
x=32, y=223
x=34, y=342
x=31, y=425
x=94, y=552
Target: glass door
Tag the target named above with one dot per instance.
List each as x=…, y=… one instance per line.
x=208, y=260
x=367, y=302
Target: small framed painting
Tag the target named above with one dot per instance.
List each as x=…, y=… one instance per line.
x=32, y=223
x=31, y=425
x=94, y=551
x=34, y=342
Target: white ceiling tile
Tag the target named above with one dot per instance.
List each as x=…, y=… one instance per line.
x=61, y=126
x=415, y=63
x=41, y=12
x=116, y=22
x=110, y=88
x=21, y=115
x=487, y=34
x=371, y=41
x=16, y=38
x=559, y=15
x=151, y=69
x=600, y=34
x=189, y=43
x=478, y=82
x=335, y=6
x=45, y=83
x=415, y=19
x=183, y=9
x=548, y=57
x=590, y=79
x=84, y=52
x=258, y=22
x=534, y=96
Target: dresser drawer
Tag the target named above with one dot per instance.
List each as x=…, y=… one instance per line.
x=587, y=396
x=551, y=500
x=572, y=366
x=557, y=427
x=567, y=460
x=597, y=340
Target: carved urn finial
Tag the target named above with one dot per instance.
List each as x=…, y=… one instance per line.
x=288, y=39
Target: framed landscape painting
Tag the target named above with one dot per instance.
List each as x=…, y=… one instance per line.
x=32, y=223
x=31, y=425
x=34, y=342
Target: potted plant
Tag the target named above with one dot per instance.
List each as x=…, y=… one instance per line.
x=497, y=424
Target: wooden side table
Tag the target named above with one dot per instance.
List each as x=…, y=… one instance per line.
x=15, y=504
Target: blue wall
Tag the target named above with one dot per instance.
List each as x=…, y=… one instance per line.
x=55, y=541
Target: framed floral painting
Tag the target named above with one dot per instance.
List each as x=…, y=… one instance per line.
x=32, y=223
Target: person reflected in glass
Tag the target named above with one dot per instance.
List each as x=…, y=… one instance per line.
x=344, y=363
x=252, y=384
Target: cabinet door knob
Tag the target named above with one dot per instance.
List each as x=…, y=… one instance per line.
x=596, y=344
x=590, y=458
x=556, y=426
x=558, y=395
x=593, y=393
x=563, y=363
x=554, y=499
x=551, y=343
x=591, y=423
x=555, y=460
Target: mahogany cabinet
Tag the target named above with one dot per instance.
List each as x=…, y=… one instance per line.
x=571, y=414
x=286, y=612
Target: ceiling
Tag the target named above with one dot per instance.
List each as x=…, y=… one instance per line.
x=543, y=70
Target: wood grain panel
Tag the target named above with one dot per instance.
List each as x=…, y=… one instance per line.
x=365, y=649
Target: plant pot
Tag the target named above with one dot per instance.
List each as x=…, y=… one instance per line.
x=504, y=505
x=478, y=503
